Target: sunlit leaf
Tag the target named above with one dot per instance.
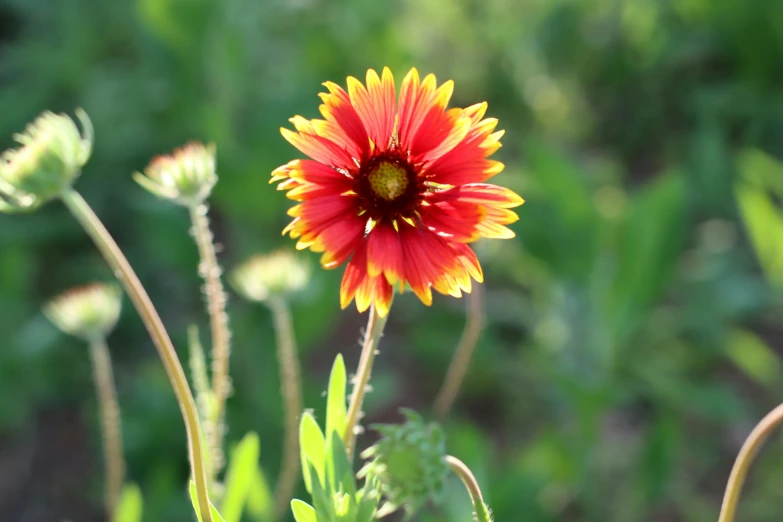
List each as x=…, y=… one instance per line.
x=753, y=356
x=130, y=505
x=194, y=501
x=312, y=447
x=303, y=512
x=260, y=503
x=242, y=466
x=335, y=399
x=764, y=223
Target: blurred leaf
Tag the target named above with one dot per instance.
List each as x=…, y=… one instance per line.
x=660, y=456
x=241, y=469
x=753, y=356
x=761, y=170
x=336, y=409
x=764, y=223
x=194, y=501
x=130, y=505
x=303, y=512
x=312, y=448
x=260, y=502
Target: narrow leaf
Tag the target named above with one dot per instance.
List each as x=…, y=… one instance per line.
x=260, y=505
x=335, y=399
x=130, y=505
x=242, y=467
x=312, y=448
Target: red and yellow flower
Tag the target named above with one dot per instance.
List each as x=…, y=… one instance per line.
x=396, y=187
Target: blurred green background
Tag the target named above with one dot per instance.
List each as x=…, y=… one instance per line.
x=632, y=335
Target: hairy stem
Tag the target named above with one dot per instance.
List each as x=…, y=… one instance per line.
x=372, y=337
x=209, y=269
x=744, y=460
x=291, y=390
x=461, y=362
x=113, y=461
x=471, y=484
x=168, y=355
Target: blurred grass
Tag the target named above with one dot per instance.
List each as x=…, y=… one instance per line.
x=632, y=335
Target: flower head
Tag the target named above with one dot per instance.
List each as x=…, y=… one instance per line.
x=49, y=160
x=408, y=462
x=396, y=187
x=185, y=176
x=89, y=311
x=267, y=276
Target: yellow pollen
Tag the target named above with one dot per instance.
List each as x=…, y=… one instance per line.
x=388, y=180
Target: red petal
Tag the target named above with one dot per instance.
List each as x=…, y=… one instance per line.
x=384, y=253
x=415, y=100
x=337, y=108
x=375, y=105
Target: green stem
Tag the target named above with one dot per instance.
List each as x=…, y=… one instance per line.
x=291, y=390
x=168, y=355
x=109, y=410
x=744, y=460
x=209, y=269
x=461, y=362
x=471, y=484
x=372, y=337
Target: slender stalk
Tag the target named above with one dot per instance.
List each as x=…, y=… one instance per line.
x=210, y=271
x=744, y=460
x=460, y=363
x=113, y=461
x=471, y=484
x=168, y=355
x=291, y=390
x=372, y=337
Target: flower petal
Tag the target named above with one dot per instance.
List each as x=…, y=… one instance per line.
x=384, y=253
x=317, y=147
x=337, y=108
x=415, y=101
x=375, y=105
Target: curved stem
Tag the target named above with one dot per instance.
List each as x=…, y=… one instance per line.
x=744, y=460
x=471, y=484
x=461, y=362
x=291, y=390
x=168, y=355
x=372, y=337
x=109, y=410
x=209, y=269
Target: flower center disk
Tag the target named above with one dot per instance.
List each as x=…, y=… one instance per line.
x=388, y=180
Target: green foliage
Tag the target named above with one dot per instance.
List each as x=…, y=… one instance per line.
x=194, y=501
x=130, y=505
x=242, y=467
x=328, y=473
x=634, y=130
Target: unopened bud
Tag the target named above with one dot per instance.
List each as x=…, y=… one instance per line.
x=267, y=276
x=88, y=312
x=186, y=176
x=49, y=160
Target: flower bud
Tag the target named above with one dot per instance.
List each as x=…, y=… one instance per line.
x=89, y=311
x=408, y=462
x=186, y=176
x=49, y=160
x=269, y=276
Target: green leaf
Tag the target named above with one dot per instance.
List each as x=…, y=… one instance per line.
x=336, y=409
x=130, y=505
x=260, y=505
x=194, y=500
x=341, y=470
x=303, y=512
x=242, y=466
x=753, y=356
x=321, y=498
x=764, y=223
x=312, y=448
